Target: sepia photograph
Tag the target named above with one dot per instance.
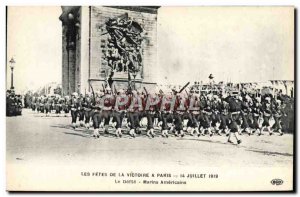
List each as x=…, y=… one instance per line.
x=150, y=98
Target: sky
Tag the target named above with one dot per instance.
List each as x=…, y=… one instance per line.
x=34, y=41
x=233, y=43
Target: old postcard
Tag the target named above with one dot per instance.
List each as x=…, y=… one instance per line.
x=150, y=98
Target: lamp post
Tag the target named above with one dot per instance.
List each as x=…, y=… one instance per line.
x=12, y=65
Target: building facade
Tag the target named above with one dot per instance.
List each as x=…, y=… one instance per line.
x=91, y=34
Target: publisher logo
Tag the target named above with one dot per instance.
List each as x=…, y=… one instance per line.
x=276, y=182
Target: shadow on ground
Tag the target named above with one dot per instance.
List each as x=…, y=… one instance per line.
x=270, y=153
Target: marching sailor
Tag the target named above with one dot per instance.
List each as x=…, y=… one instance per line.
x=234, y=109
x=74, y=108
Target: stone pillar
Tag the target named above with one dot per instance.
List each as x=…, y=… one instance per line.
x=70, y=39
x=84, y=49
x=65, y=70
x=71, y=53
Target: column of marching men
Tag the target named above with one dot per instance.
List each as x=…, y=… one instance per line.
x=229, y=114
x=51, y=104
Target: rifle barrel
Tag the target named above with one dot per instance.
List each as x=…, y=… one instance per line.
x=184, y=87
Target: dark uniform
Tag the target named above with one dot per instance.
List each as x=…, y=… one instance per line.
x=19, y=105
x=38, y=102
x=80, y=110
x=234, y=110
x=205, y=121
x=57, y=105
x=66, y=105
x=216, y=117
x=179, y=112
x=256, y=112
x=246, y=117
x=134, y=112
x=224, y=116
x=88, y=112
x=42, y=104
x=267, y=113
x=277, y=114
x=74, y=104
x=118, y=114
x=106, y=112
x=48, y=102
x=166, y=117
x=33, y=103
x=150, y=114
x=193, y=115
x=96, y=116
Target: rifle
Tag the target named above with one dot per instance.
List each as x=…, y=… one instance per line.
x=103, y=88
x=129, y=90
x=115, y=89
x=94, y=98
x=184, y=87
x=187, y=94
x=112, y=91
x=146, y=91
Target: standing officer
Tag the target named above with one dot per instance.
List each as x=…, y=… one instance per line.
x=234, y=109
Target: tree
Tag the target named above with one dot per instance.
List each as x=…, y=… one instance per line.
x=58, y=91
